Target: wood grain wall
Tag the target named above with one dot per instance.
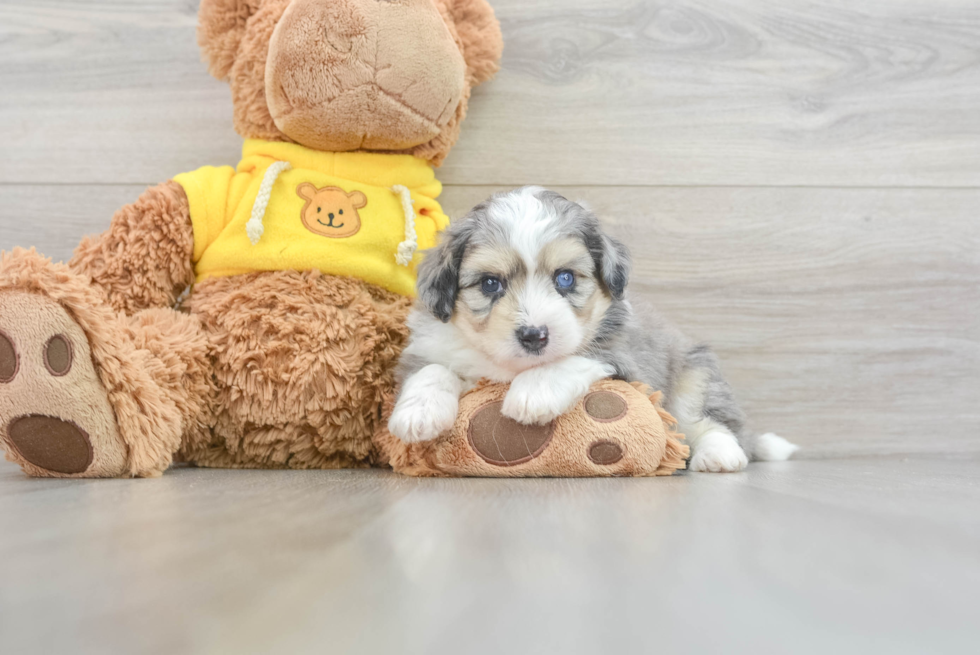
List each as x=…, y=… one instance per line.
x=799, y=181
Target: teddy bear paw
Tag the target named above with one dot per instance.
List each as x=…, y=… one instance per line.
x=55, y=416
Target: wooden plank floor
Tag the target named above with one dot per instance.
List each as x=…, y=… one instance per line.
x=849, y=556
x=800, y=184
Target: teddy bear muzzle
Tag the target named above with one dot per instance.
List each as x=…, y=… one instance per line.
x=352, y=74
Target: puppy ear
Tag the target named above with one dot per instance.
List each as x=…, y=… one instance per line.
x=480, y=35
x=612, y=261
x=220, y=29
x=438, y=283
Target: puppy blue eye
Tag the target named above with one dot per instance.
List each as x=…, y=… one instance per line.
x=565, y=280
x=491, y=285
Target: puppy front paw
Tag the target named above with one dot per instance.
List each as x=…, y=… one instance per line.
x=717, y=452
x=423, y=419
x=530, y=403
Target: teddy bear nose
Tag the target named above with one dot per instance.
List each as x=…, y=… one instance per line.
x=331, y=216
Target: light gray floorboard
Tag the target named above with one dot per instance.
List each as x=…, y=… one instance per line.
x=746, y=92
x=857, y=556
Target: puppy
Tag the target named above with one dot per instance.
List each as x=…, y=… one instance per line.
x=527, y=289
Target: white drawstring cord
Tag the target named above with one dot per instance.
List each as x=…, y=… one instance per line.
x=254, y=227
x=407, y=248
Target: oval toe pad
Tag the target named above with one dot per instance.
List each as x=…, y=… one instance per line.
x=51, y=443
x=502, y=441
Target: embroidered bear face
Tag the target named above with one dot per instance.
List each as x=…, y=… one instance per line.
x=331, y=211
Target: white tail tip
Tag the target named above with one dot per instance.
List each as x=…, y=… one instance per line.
x=771, y=447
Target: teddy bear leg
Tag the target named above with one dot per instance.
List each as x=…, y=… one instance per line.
x=81, y=392
x=182, y=369
x=302, y=363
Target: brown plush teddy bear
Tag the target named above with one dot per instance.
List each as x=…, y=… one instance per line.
x=302, y=258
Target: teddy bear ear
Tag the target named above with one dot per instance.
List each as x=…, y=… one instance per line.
x=220, y=29
x=358, y=199
x=479, y=32
x=306, y=191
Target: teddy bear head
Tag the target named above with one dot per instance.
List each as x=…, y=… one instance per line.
x=346, y=75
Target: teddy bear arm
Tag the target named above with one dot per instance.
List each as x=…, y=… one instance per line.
x=618, y=429
x=144, y=259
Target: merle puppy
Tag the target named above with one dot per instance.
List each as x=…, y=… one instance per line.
x=527, y=289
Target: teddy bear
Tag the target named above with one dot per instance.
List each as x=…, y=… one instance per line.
x=300, y=261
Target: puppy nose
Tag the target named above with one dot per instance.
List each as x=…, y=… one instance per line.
x=533, y=339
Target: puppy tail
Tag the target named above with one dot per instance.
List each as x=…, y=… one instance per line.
x=769, y=447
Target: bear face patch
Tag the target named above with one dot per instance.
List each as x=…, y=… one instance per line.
x=331, y=211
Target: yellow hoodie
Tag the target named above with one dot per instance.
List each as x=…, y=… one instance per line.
x=287, y=207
